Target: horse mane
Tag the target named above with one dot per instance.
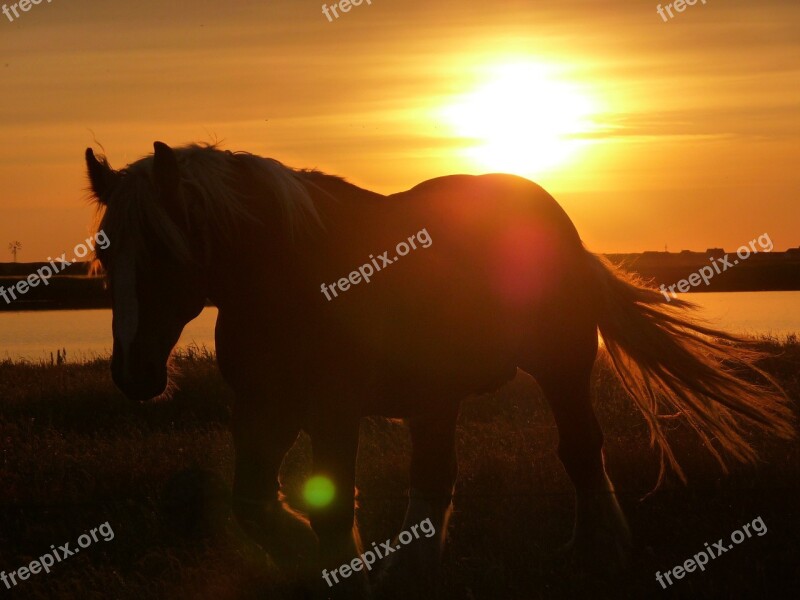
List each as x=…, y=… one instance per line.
x=215, y=178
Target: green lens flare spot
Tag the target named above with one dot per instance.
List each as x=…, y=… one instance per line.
x=319, y=491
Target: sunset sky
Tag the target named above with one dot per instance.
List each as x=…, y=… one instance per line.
x=685, y=133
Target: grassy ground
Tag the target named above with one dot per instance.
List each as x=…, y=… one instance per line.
x=76, y=454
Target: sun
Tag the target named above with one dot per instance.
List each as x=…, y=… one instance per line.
x=522, y=119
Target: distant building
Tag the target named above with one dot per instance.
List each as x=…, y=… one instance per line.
x=715, y=252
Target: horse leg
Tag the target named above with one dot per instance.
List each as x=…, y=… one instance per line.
x=562, y=365
x=262, y=434
x=414, y=568
x=334, y=440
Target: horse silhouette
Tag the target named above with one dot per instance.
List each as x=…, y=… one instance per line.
x=503, y=282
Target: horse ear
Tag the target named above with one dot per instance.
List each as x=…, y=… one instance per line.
x=101, y=176
x=167, y=177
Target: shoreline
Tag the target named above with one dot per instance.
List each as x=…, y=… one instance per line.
x=76, y=288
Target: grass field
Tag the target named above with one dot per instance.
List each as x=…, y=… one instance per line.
x=76, y=454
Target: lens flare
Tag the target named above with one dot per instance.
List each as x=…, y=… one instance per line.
x=319, y=491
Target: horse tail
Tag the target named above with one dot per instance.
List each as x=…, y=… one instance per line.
x=673, y=365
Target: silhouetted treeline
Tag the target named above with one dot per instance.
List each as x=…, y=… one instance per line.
x=761, y=272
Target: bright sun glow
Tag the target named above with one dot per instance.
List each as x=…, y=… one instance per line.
x=523, y=119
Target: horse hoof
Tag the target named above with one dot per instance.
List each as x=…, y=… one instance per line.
x=601, y=541
x=413, y=575
x=605, y=552
x=283, y=534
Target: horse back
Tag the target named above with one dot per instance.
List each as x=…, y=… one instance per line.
x=450, y=316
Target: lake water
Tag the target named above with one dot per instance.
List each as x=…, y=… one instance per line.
x=87, y=333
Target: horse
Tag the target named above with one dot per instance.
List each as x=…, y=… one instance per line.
x=336, y=303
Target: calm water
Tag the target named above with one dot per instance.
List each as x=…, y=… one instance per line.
x=34, y=335
x=87, y=333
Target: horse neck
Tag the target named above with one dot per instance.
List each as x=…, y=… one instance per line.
x=263, y=259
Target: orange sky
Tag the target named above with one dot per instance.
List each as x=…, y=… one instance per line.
x=693, y=139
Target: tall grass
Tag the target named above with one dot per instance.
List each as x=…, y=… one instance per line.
x=75, y=454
